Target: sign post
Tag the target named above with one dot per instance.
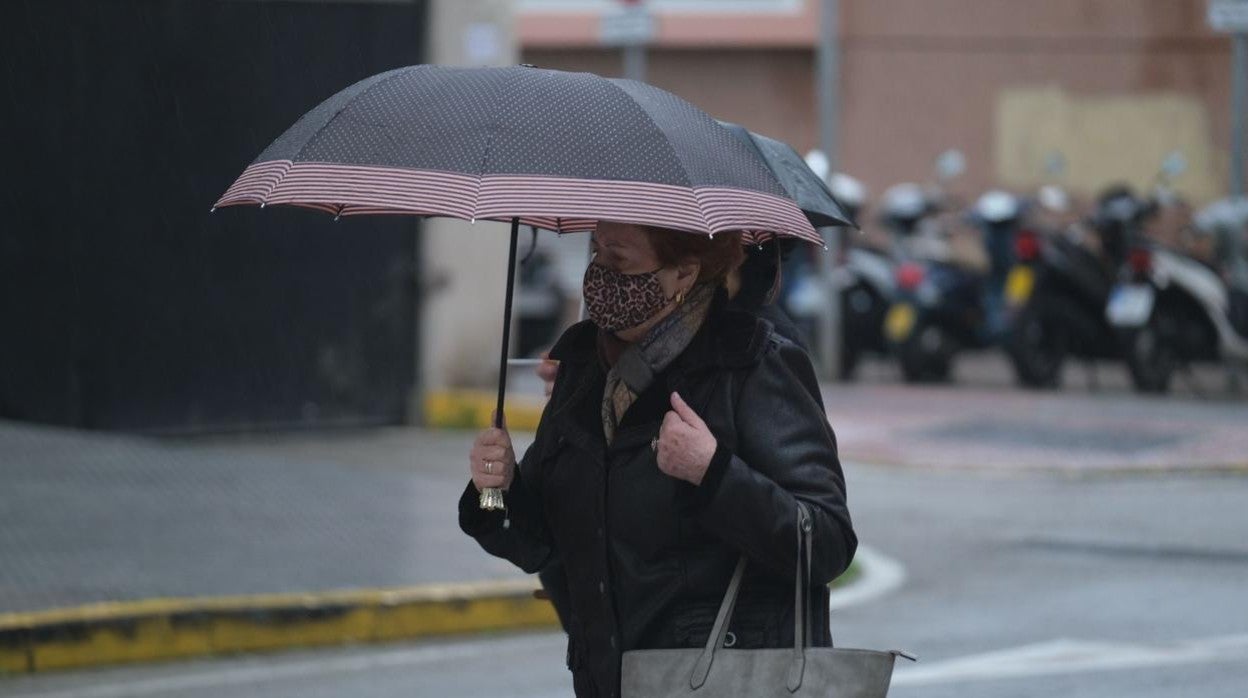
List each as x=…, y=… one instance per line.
x=827, y=90
x=1231, y=16
x=631, y=26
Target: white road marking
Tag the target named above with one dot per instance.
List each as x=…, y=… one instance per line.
x=1067, y=656
x=277, y=670
x=880, y=575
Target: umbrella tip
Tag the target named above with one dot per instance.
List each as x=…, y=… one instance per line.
x=263, y=204
x=472, y=221
x=212, y=210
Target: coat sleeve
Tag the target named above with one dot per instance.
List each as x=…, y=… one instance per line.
x=519, y=534
x=784, y=451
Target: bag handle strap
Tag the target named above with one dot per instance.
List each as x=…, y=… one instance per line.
x=702, y=667
x=801, y=615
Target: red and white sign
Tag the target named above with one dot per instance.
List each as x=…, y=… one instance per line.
x=629, y=24
x=1229, y=16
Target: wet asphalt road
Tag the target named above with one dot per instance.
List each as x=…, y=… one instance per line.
x=1020, y=584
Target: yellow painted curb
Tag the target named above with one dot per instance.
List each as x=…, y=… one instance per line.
x=162, y=629
x=472, y=409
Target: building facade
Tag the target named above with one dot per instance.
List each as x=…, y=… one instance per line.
x=1109, y=87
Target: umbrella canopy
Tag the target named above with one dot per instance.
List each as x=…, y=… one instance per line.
x=537, y=147
x=552, y=149
x=800, y=183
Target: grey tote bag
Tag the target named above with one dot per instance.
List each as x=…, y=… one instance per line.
x=723, y=672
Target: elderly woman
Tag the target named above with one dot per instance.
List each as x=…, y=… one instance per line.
x=679, y=436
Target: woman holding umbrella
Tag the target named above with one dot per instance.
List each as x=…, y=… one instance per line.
x=679, y=436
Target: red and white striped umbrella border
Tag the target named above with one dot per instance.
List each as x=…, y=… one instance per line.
x=561, y=204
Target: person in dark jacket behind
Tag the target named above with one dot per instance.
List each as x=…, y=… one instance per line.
x=680, y=435
x=756, y=284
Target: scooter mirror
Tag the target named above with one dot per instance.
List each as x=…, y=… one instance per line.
x=1054, y=198
x=1174, y=165
x=1055, y=164
x=950, y=164
x=818, y=163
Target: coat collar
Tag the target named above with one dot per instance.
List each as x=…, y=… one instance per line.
x=728, y=339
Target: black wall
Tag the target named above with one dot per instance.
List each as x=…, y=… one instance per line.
x=126, y=305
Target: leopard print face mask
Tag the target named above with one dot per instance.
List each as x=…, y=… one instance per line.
x=617, y=301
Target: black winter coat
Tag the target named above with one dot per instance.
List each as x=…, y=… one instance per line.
x=647, y=557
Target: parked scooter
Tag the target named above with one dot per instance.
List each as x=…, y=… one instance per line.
x=944, y=306
x=1056, y=293
x=903, y=210
x=540, y=302
x=864, y=283
x=1172, y=310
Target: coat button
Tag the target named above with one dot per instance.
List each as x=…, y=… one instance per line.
x=602, y=587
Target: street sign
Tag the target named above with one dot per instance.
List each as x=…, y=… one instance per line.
x=1230, y=16
x=630, y=25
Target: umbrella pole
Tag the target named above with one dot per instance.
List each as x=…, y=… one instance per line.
x=492, y=497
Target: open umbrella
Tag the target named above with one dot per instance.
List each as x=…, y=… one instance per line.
x=537, y=147
x=806, y=188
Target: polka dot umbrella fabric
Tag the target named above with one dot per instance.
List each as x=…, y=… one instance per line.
x=556, y=150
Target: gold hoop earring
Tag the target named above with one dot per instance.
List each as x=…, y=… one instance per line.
x=680, y=297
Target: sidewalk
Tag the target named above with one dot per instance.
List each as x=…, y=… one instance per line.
x=199, y=524
x=119, y=548
x=1009, y=429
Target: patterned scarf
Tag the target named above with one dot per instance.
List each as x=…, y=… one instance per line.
x=638, y=363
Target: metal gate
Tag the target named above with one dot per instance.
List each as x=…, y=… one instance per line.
x=126, y=305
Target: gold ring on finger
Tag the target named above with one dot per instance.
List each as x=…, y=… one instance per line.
x=489, y=467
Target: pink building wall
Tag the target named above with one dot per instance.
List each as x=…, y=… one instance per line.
x=918, y=76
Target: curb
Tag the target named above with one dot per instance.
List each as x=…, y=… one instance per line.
x=472, y=409
x=162, y=629
x=152, y=630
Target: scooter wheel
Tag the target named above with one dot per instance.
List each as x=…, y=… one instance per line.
x=1151, y=354
x=1037, y=346
x=850, y=356
x=927, y=356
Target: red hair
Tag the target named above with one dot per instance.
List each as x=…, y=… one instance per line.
x=718, y=255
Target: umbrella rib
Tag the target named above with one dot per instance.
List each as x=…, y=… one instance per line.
x=757, y=150
x=688, y=180
x=396, y=73
x=749, y=138
x=495, y=127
